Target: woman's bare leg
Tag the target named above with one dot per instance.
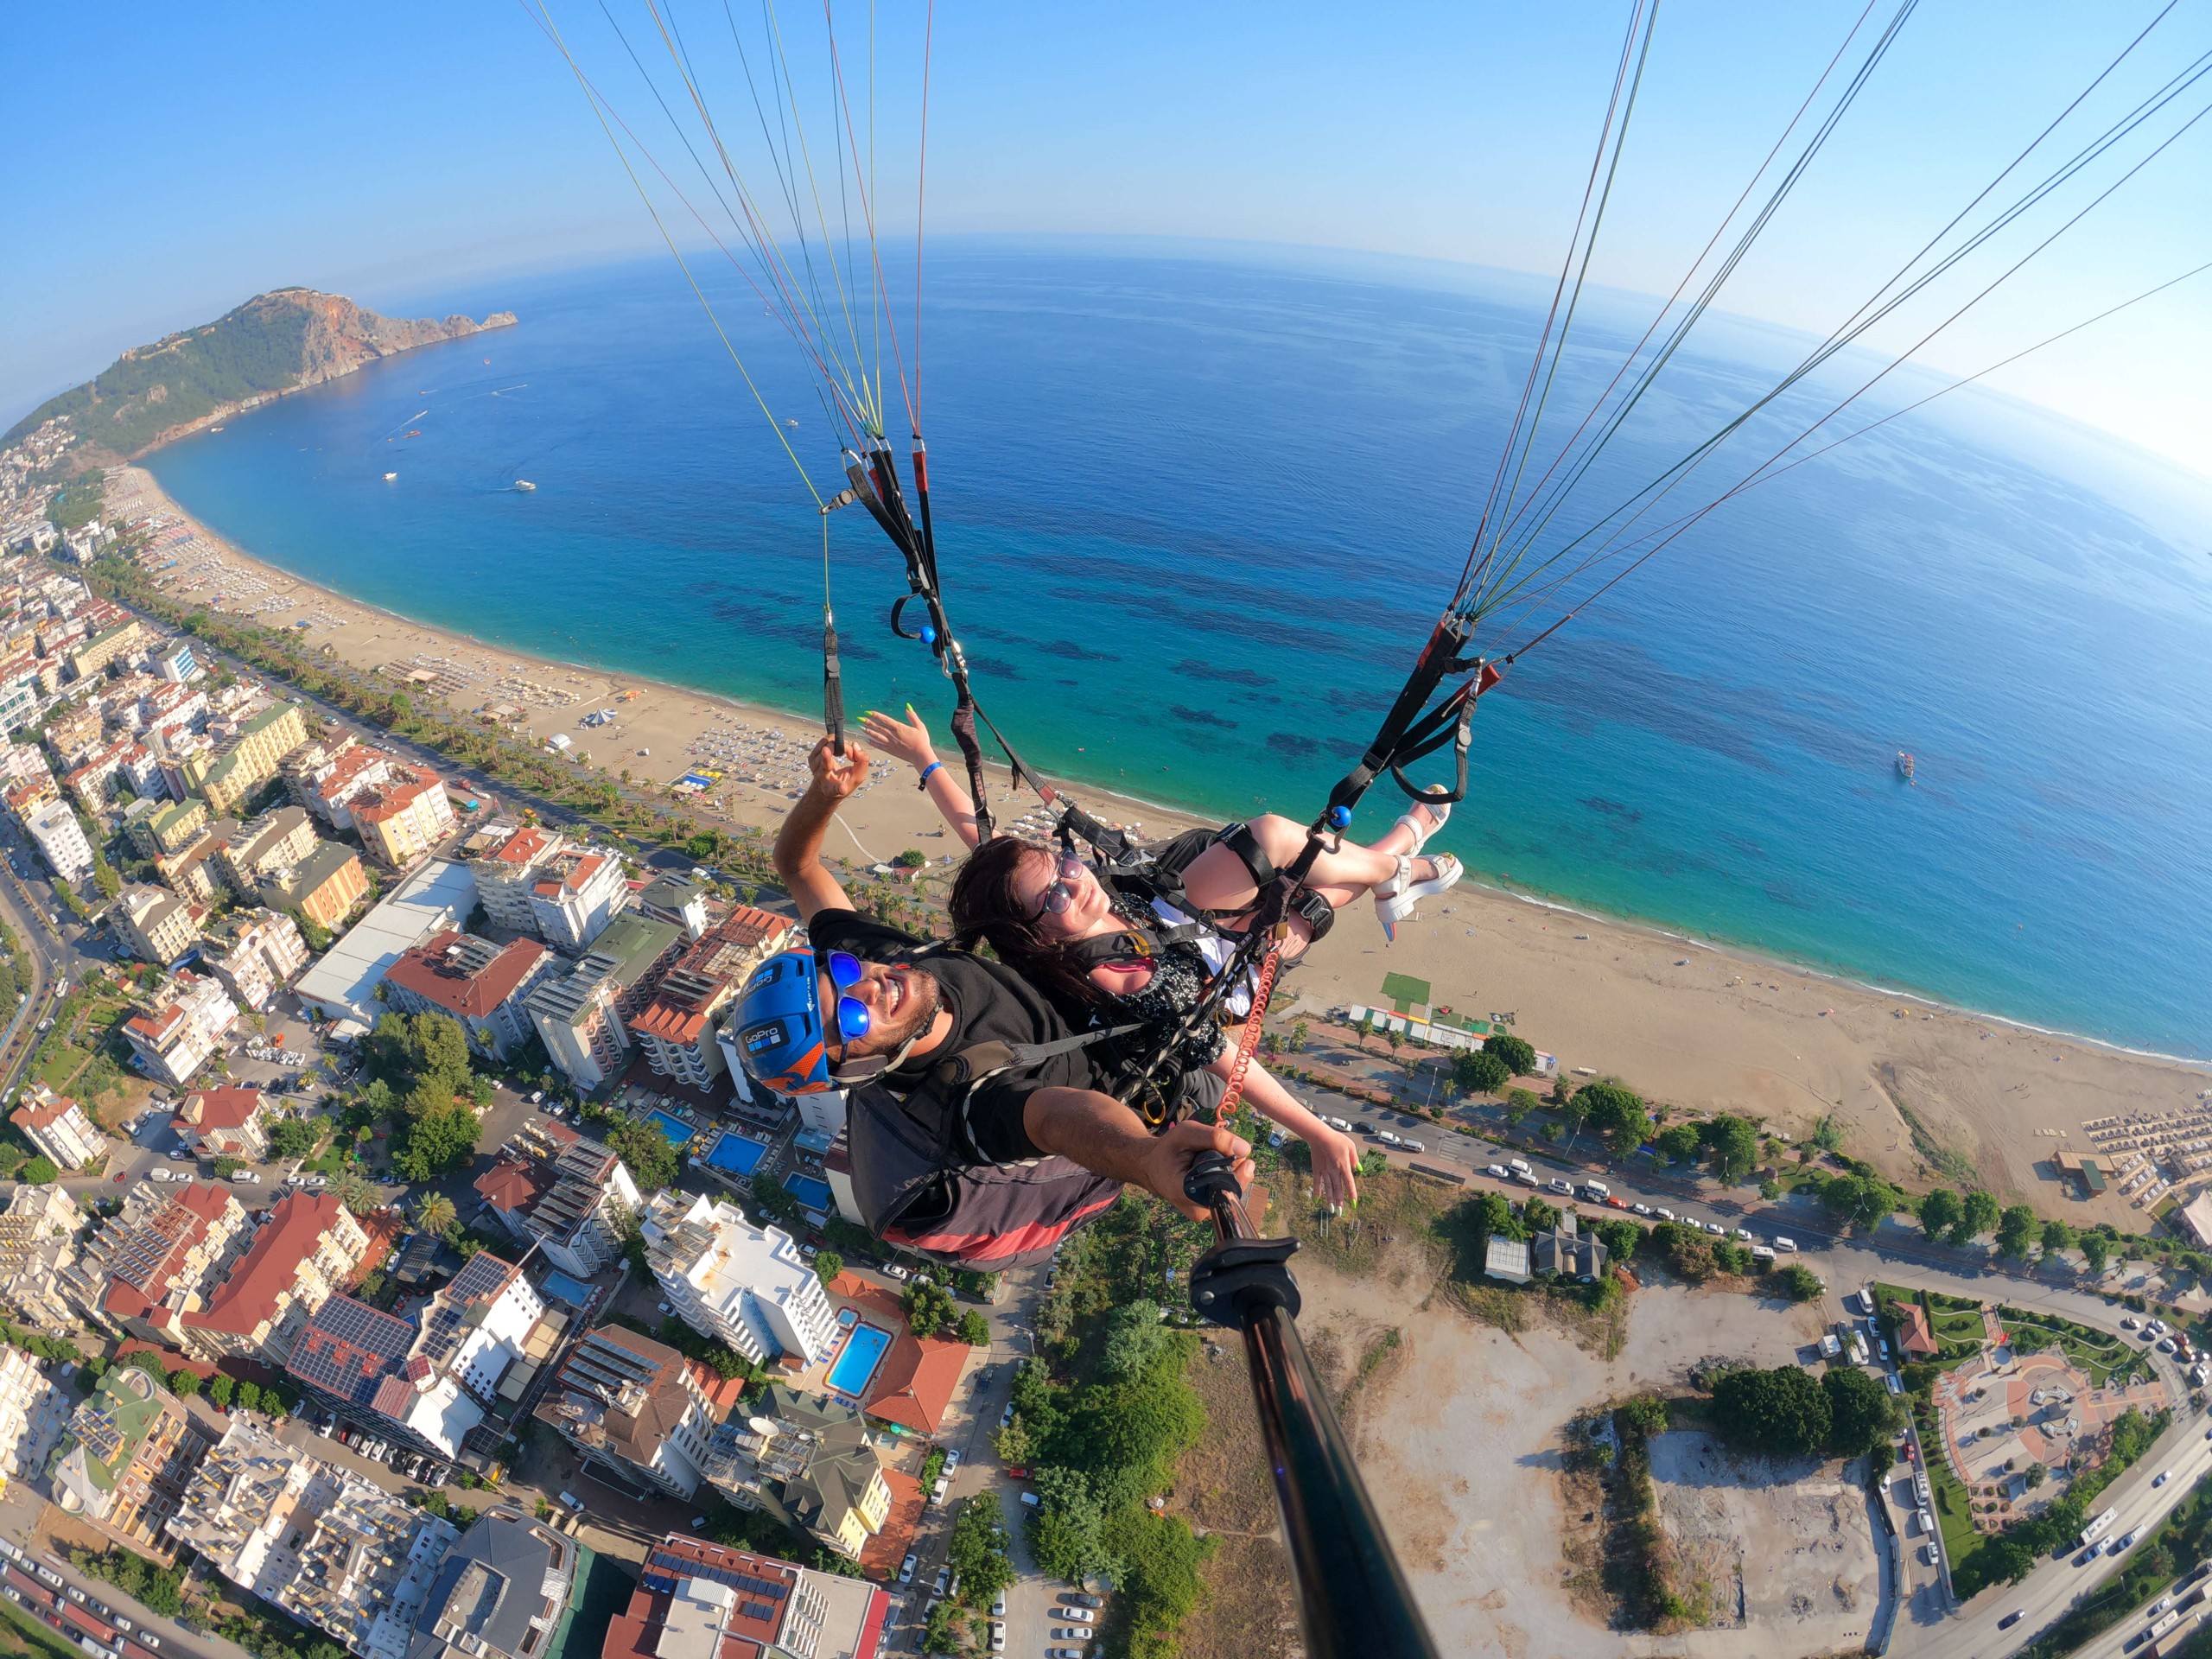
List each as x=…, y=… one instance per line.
x=1216, y=879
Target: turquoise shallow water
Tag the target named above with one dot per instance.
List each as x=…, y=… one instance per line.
x=1196, y=515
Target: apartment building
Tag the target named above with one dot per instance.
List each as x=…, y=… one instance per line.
x=697, y=1600
x=250, y=759
x=125, y=1461
x=223, y=1122
x=324, y=887
x=582, y=1015
x=173, y=826
x=484, y=986
x=97, y=650
x=307, y=1247
x=146, y=1266
x=574, y=1202
x=180, y=1026
x=737, y=1283
x=501, y=1593
x=808, y=1460
x=52, y=825
x=324, y=776
x=154, y=925
x=507, y=871
x=633, y=1404
x=329, y=1548
x=60, y=1128
x=254, y=953
x=38, y=1243
x=402, y=820
x=276, y=840
x=676, y=1030
x=677, y=898
x=34, y=1412
x=575, y=895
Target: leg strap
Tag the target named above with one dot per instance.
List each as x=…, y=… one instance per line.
x=1240, y=840
x=1318, y=913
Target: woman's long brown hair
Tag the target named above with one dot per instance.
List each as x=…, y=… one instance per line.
x=986, y=908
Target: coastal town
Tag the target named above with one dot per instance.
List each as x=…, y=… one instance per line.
x=398, y=1261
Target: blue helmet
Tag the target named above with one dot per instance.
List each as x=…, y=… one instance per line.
x=779, y=1025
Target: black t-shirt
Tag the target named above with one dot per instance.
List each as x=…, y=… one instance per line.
x=989, y=1002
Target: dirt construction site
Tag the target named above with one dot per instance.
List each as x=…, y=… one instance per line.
x=1463, y=1434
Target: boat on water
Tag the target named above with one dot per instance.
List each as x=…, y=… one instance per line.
x=388, y=477
x=524, y=484
x=1904, y=765
x=414, y=432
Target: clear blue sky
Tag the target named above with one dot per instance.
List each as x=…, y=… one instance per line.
x=165, y=162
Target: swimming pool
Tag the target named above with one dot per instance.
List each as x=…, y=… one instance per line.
x=740, y=1154
x=814, y=1194
x=560, y=1287
x=675, y=1129
x=864, y=1351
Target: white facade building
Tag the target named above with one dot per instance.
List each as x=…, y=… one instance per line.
x=743, y=1285
x=61, y=842
x=33, y=1414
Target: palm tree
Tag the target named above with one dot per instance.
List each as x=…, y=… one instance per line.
x=434, y=1212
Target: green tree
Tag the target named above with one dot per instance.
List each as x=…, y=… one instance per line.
x=1518, y=1053
x=1067, y=1531
x=1861, y=1412
x=929, y=1305
x=1478, y=1071
x=1519, y=1102
x=1782, y=1411
x=1618, y=1113
x=974, y=1329
x=293, y=1137
x=1646, y=1414
x=1677, y=1140
x=1939, y=1210
x=1802, y=1283
x=249, y=1396
x=2016, y=1231
x=646, y=1152
x=218, y=1389
x=437, y=1142
x=434, y=1212
x=183, y=1382
x=1977, y=1214
x=2095, y=1251
x=39, y=1172
x=977, y=1552
x=1732, y=1146
x=827, y=1265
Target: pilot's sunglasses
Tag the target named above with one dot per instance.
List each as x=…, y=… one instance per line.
x=845, y=971
x=1065, y=884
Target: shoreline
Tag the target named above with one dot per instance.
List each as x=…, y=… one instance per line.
x=1628, y=997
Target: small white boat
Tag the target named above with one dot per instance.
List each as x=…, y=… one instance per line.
x=388, y=477
x=524, y=484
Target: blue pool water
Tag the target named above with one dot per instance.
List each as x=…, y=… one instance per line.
x=1194, y=516
x=864, y=1351
x=739, y=1154
x=814, y=1194
x=563, y=1288
x=675, y=1129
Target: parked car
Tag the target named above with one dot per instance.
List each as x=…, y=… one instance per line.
x=943, y=1577
x=998, y=1636
x=1081, y=1614
x=1408, y=1144
x=1556, y=1185
x=1031, y=1499
x=1665, y=1214
x=907, y=1568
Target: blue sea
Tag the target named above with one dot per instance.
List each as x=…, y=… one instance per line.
x=1196, y=512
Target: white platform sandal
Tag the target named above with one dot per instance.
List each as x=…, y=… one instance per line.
x=1421, y=832
x=1396, y=898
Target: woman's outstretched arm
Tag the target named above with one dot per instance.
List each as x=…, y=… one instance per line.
x=1336, y=1157
x=908, y=740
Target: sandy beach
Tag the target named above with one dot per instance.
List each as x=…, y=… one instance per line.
x=1686, y=1023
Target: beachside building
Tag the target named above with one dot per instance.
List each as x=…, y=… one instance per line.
x=316, y=1540
x=676, y=1030
x=52, y=825
x=38, y=1243
x=697, y=1600
x=737, y=1283
x=677, y=898
x=250, y=759
x=582, y=1015
x=254, y=952
x=223, y=1122
x=324, y=887
x=180, y=1026
x=1568, y=1251
x=324, y=775
x=100, y=649
x=276, y=841
x=307, y=1247
x=484, y=986
x=33, y=1415
x=402, y=820
x=501, y=1593
x=1507, y=1259
x=126, y=1457
x=156, y=1259
x=170, y=827
x=633, y=1404
x=152, y=926
x=809, y=1461
x=175, y=661
x=60, y=1128
x=506, y=869
x=342, y=986
x=575, y=895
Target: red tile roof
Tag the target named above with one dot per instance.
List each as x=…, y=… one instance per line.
x=427, y=971
x=176, y=1227
x=510, y=1184
x=226, y=1108
x=409, y=785
x=915, y=1381
x=523, y=846
x=1914, y=1336
x=33, y=1116
x=292, y=1233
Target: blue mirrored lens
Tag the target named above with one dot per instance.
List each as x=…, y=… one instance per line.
x=852, y=1018
x=845, y=969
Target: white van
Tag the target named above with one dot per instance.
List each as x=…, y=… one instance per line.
x=1597, y=1189
x=1782, y=1243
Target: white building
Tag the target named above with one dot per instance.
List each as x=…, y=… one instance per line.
x=575, y=895
x=740, y=1284
x=33, y=1414
x=316, y=1540
x=38, y=1241
x=179, y=1026
x=59, y=1126
x=632, y=1403
x=61, y=842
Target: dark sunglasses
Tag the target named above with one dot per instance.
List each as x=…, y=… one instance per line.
x=1066, y=879
x=852, y=1015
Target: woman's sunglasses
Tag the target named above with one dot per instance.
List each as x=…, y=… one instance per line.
x=845, y=971
x=1066, y=882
